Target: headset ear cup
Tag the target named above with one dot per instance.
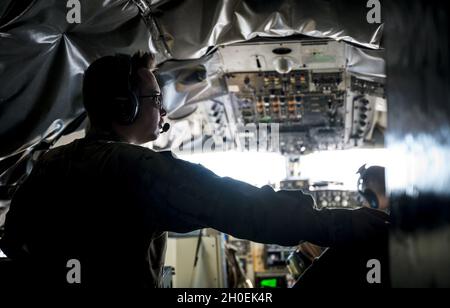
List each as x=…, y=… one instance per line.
x=134, y=106
x=126, y=106
x=125, y=110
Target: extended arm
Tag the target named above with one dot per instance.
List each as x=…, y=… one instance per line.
x=188, y=196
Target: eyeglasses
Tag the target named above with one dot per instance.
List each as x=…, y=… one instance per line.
x=156, y=99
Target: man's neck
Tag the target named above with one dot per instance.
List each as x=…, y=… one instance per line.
x=102, y=134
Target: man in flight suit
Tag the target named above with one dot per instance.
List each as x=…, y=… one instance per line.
x=353, y=265
x=108, y=202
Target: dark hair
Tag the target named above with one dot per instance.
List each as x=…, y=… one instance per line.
x=107, y=78
x=374, y=179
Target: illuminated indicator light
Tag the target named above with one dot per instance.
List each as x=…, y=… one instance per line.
x=269, y=283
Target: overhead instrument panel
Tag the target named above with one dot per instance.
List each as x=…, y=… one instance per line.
x=305, y=88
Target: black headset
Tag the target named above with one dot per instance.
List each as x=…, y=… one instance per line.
x=367, y=193
x=125, y=105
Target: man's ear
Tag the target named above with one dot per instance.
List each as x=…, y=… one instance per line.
x=383, y=201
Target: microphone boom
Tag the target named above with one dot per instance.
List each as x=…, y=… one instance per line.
x=165, y=128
